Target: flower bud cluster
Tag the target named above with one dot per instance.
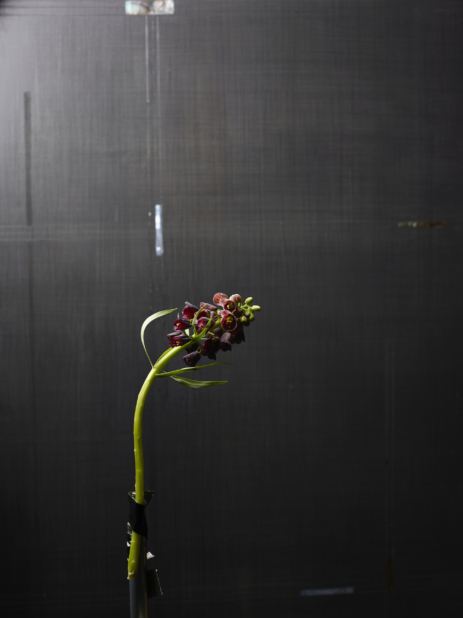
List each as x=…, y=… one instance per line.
x=212, y=328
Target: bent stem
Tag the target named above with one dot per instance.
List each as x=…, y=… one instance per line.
x=162, y=361
x=138, y=450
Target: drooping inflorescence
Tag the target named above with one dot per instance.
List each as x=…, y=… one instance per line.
x=221, y=324
x=199, y=331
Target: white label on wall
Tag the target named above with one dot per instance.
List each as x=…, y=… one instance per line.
x=149, y=7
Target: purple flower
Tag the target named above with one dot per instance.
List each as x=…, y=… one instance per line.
x=219, y=298
x=189, y=310
x=229, y=305
x=192, y=359
x=181, y=324
x=239, y=337
x=228, y=320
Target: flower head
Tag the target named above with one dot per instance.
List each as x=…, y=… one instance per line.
x=189, y=310
x=219, y=298
x=181, y=324
x=228, y=320
x=229, y=305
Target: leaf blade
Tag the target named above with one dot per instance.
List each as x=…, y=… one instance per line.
x=196, y=383
x=148, y=320
x=168, y=374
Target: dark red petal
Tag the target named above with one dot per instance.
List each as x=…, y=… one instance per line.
x=189, y=310
x=181, y=324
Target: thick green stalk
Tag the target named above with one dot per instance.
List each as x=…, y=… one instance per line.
x=138, y=450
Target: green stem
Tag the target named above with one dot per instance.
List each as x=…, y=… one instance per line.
x=162, y=361
x=138, y=450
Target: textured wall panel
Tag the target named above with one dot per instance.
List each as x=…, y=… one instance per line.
x=285, y=140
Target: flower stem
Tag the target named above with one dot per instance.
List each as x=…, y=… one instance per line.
x=138, y=450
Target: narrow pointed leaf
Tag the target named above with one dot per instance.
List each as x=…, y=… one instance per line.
x=159, y=314
x=195, y=383
x=168, y=374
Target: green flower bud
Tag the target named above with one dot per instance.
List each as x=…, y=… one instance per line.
x=255, y=307
x=252, y=317
x=247, y=313
x=248, y=301
x=244, y=319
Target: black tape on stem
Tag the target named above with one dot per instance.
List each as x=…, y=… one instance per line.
x=137, y=517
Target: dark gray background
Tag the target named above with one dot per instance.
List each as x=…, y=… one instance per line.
x=286, y=140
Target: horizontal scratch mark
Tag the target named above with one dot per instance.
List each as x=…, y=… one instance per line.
x=324, y=591
x=422, y=224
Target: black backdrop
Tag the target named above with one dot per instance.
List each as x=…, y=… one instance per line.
x=287, y=141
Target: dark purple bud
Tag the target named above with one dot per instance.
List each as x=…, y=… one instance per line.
x=193, y=347
x=228, y=320
x=189, y=310
x=181, y=324
x=218, y=332
x=219, y=299
x=229, y=305
x=212, y=356
x=208, y=307
x=177, y=339
x=192, y=359
x=239, y=337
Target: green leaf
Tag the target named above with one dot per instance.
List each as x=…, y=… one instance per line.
x=180, y=371
x=195, y=383
x=159, y=314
